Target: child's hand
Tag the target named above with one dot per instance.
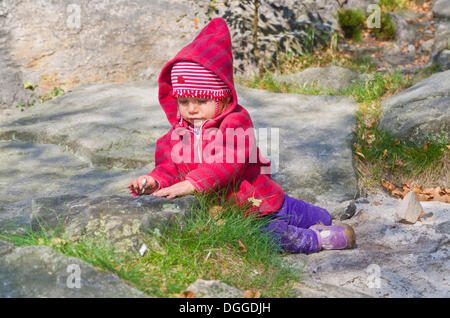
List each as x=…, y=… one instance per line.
x=178, y=189
x=136, y=186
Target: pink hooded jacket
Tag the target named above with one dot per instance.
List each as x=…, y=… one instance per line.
x=185, y=154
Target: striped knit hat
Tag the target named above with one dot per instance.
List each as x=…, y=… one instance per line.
x=190, y=79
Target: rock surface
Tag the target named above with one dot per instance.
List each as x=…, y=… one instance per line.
x=214, y=289
x=420, y=113
x=39, y=271
x=118, y=219
x=441, y=9
x=332, y=78
x=409, y=208
x=441, y=44
x=88, y=42
x=391, y=259
x=404, y=32
x=443, y=59
x=309, y=288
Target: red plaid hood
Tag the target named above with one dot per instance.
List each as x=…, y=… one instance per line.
x=212, y=49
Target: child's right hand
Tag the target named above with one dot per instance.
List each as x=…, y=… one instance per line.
x=136, y=185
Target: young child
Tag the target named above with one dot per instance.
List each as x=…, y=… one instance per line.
x=196, y=91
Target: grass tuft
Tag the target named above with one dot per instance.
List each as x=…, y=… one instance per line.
x=230, y=247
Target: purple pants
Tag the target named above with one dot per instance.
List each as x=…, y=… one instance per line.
x=290, y=225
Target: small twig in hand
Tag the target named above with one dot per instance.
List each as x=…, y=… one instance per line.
x=143, y=182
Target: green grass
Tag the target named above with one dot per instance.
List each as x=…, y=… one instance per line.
x=351, y=22
x=200, y=247
x=387, y=28
x=208, y=248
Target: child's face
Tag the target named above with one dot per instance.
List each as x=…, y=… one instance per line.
x=197, y=110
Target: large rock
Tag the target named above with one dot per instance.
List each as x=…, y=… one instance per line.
x=441, y=44
x=390, y=259
x=118, y=219
x=331, y=78
x=443, y=59
x=404, y=32
x=420, y=113
x=95, y=123
x=86, y=42
x=441, y=9
x=39, y=271
x=121, y=41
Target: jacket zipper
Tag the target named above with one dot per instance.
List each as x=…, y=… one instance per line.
x=197, y=135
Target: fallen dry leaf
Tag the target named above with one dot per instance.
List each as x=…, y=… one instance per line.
x=255, y=201
x=443, y=198
x=406, y=185
x=423, y=197
x=249, y=293
x=417, y=189
x=220, y=222
x=376, y=203
x=242, y=248
x=186, y=294
x=388, y=185
x=215, y=211
x=398, y=193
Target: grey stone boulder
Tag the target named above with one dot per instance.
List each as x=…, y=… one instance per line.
x=391, y=49
x=214, y=289
x=118, y=219
x=332, y=78
x=427, y=46
x=404, y=32
x=443, y=59
x=83, y=42
x=441, y=40
x=27, y=166
x=409, y=14
x=96, y=124
x=441, y=9
x=420, y=113
x=41, y=272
